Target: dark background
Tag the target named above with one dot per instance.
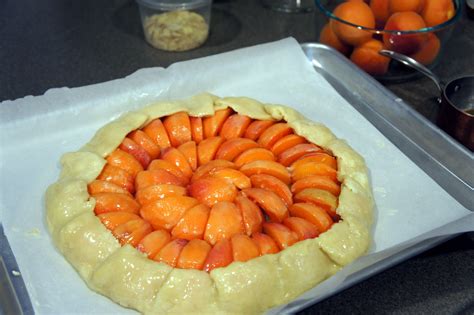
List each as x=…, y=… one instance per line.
x=54, y=43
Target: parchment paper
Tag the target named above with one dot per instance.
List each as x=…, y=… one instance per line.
x=36, y=131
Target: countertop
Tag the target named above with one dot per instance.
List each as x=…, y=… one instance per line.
x=55, y=43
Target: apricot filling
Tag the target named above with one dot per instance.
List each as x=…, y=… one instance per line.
x=203, y=192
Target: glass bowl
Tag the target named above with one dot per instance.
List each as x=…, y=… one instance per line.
x=361, y=43
x=175, y=25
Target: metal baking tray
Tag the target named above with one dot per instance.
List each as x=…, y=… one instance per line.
x=441, y=157
x=14, y=298
x=414, y=135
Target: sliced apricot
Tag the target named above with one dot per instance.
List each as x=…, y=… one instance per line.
x=118, y=176
x=243, y=248
x=196, y=129
x=283, y=236
x=272, y=183
x=265, y=244
x=207, y=148
x=252, y=216
x=100, y=186
x=225, y=220
x=160, y=191
x=236, y=177
x=231, y=148
x=125, y=161
x=274, y=133
x=328, y=37
x=193, y=255
x=156, y=177
x=170, y=167
x=271, y=204
x=313, y=169
x=137, y=151
x=152, y=243
x=211, y=166
x=428, y=51
x=113, y=219
x=406, y=43
x=177, y=158
x=169, y=254
x=178, y=127
x=157, y=132
x=357, y=13
x=256, y=128
x=303, y=228
x=110, y=201
x=436, y=12
x=320, y=182
x=312, y=213
x=212, y=125
x=286, y=143
x=132, y=232
x=189, y=150
x=142, y=139
x=219, y=256
x=288, y=156
x=318, y=157
x=165, y=213
x=193, y=223
x=210, y=191
x=252, y=155
x=366, y=56
x=319, y=197
x=235, y=126
x=267, y=167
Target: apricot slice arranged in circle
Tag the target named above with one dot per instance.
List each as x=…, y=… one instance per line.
x=203, y=192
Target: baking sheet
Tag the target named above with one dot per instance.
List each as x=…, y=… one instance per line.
x=40, y=129
x=14, y=298
x=443, y=158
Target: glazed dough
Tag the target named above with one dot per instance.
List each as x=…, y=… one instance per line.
x=65, y=200
x=86, y=243
x=187, y=291
x=109, y=137
x=135, y=279
x=132, y=280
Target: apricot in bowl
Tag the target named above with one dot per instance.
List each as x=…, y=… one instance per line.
x=359, y=29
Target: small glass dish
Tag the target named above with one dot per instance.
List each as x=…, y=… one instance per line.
x=175, y=25
x=425, y=44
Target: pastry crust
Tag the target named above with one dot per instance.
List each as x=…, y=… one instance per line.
x=131, y=279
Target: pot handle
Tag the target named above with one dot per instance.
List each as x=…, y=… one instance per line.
x=412, y=63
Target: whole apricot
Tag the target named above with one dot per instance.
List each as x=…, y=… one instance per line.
x=328, y=37
x=429, y=51
x=381, y=11
x=405, y=5
x=404, y=43
x=367, y=57
x=436, y=12
x=357, y=13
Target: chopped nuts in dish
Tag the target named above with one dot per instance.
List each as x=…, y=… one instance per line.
x=176, y=30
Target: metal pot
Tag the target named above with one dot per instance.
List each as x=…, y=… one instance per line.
x=456, y=112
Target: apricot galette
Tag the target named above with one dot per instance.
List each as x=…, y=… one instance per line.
x=210, y=205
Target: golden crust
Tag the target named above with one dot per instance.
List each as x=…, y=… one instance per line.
x=132, y=280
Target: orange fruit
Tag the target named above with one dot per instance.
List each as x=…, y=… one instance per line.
x=357, y=13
